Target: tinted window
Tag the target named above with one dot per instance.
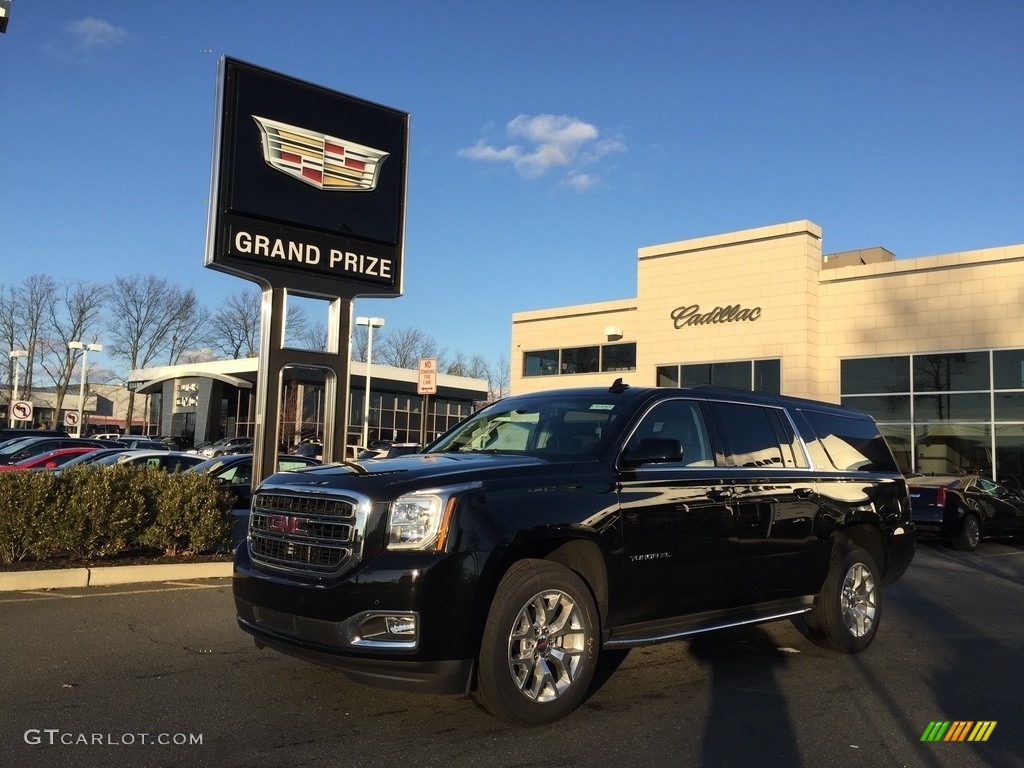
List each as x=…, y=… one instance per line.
x=680, y=420
x=849, y=443
x=749, y=434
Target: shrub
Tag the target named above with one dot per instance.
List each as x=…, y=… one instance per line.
x=99, y=512
x=25, y=498
x=193, y=513
x=88, y=512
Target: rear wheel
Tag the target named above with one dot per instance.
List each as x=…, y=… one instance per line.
x=540, y=644
x=848, y=609
x=969, y=535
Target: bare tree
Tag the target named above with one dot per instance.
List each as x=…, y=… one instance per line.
x=499, y=378
x=235, y=327
x=23, y=321
x=403, y=347
x=74, y=315
x=148, y=317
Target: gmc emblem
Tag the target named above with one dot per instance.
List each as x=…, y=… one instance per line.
x=286, y=524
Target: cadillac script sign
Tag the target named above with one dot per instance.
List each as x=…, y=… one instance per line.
x=308, y=188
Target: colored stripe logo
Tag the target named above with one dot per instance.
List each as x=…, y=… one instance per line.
x=959, y=730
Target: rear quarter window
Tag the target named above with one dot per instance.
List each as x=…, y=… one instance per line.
x=848, y=443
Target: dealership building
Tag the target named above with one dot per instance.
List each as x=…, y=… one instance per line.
x=203, y=402
x=932, y=347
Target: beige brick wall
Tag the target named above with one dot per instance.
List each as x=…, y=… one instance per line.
x=810, y=317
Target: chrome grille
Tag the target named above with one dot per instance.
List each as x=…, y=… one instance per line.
x=320, y=534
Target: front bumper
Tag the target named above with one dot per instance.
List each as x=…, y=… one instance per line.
x=329, y=621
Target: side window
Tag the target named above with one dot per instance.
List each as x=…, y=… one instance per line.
x=680, y=420
x=750, y=435
x=849, y=442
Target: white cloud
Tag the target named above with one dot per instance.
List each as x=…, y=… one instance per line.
x=549, y=142
x=94, y=34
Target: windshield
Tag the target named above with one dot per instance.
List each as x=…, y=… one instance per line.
x=567, y=426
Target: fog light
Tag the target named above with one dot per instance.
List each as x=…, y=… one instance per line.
x=401, y=625
x=396, y=631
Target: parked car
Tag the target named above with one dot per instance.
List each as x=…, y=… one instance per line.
x=90, y=458
x=224, y=445
x=550, y=528
x=139, y=443
x=964, y=509
x=401, y=449
x=15, y=451
x=235, y=471
x=161, y=459
x=7, y=433
x=48, y=460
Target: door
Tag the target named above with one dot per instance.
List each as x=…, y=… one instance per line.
x=677, y=520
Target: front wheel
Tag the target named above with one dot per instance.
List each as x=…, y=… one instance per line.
x=540, y=644
x=848, y=609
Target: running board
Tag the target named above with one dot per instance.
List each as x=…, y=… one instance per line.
x=664, y=630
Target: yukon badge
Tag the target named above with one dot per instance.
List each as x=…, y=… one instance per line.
x=326, y=162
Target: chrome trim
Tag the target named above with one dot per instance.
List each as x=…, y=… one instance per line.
x=675, y=635
x=308, y=533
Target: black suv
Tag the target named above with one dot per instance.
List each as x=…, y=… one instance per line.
x=547, y=528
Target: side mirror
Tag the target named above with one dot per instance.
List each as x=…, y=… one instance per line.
x=654, y=450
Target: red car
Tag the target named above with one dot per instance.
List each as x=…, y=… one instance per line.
x=48, y=460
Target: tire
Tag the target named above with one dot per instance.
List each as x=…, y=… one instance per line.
x=848, y=609
x=540, y=644
x=969, y=535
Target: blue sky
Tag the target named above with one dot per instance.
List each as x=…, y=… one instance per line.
x=549, y=140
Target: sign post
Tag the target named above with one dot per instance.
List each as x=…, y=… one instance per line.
x=307, y=199
x=426, y=385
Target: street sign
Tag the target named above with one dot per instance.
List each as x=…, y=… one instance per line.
x=22, y=410
x=427, y=380
x=71, y=419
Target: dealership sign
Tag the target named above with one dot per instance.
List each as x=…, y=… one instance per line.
x=308, y=188
x=733, y=313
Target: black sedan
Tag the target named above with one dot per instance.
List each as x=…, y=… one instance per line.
x=963, y=509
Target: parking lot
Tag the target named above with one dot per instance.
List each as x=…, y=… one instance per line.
x=158, y=674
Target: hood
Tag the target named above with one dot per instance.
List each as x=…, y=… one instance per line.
x=414, y=469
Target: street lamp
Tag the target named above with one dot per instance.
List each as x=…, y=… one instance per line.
x=15, y=354
x=370, y=323
x=86, y=349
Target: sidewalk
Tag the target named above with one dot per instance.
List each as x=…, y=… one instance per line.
x=19, y=581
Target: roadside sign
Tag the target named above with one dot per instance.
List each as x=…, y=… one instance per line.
x=427, y=380
x=22, y=410
x=71, y=419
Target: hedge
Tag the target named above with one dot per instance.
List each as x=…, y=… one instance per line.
x=86, y=513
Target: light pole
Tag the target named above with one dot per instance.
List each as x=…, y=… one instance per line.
x=86, y=349
x=370, y=323
x=15, y=354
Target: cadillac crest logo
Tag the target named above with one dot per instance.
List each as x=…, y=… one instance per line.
x=325, y=162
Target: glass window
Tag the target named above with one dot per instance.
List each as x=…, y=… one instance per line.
x=899, y=437
x=580, y=360
x=952, y=372
x=668, y=375
x=543, y=363
x=749, y=435
x=1009, y=406
x=1008, y=369
x=680, y=420
x=942, y=407
x=735, y=375
x=850, y=443
x=698, y=375
x=874, y=375
x=953, y=448
x=768, y=376
x=881, y=407
x=618, y=357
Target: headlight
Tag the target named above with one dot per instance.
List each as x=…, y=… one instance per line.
x=420, y=520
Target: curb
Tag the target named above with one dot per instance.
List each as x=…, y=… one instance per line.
x=65, y=578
